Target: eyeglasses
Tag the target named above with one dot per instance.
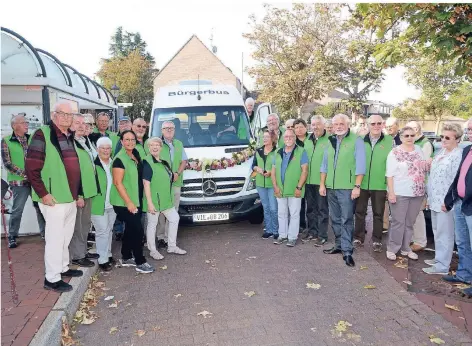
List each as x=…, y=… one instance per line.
x=62, y=114
x=447, y=138
x=168, y=128
x=376, y=124
x=290, y=127
x=141, y=126
x=129, y=139
x=24, y=123
x=408, y=136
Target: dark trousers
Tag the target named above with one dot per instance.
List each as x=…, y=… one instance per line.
x=131, y=244
x=317, y=212
x=303, y=214
x=377, y=199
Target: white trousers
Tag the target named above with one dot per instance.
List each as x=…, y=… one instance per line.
x=104, y=233
x=419, y=229
x=289, y=206
x=60, y=222
x=163, y=224
x=172, y=218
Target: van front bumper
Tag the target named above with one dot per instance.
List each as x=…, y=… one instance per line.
x=239, y=208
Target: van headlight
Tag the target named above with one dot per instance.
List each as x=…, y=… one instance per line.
x=251, y=185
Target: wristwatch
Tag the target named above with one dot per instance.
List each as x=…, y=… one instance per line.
x=299, y=188
x=358, y=186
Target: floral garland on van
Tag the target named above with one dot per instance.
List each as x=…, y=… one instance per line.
x=207, y=165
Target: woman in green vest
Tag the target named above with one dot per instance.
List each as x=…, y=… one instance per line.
x=262, y=167
x=103, y=215
x=159, y=198
x=125, y=196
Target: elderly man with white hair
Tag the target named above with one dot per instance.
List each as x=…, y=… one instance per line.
x=342, y=170
x=14, y=149
x=419, y=239
x=103, y=215
x=393, y=129
x=275, y=130
x=250, y=103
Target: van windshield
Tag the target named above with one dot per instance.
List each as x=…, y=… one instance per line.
x=205, y=126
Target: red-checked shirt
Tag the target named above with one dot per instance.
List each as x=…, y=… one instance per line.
x=37, y=155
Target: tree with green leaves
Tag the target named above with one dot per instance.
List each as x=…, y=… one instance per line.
x=461, y=101
x=293, y=49
x=124, y=43
x=441, y=31
x=328, y=110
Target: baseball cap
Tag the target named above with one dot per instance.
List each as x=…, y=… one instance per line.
x=124, y=118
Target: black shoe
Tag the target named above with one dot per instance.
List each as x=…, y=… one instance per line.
x=59, y=286
x=83, y=262
x=112, y=261
x=267, y=235
x=349, y=260
x=91, y=237
x=92, y=255
x=118, y=236
x=161, y=244
x=72, y=273
x=12, y=242
x=106, y=267
x=332, y=251
x=307, y=237
x=276, y=236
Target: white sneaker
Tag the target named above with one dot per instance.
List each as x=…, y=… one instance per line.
x=410, y=254
x=176, y=250
x=433, y=270
x=391, y=256
x=430, y=262
x=156, y=255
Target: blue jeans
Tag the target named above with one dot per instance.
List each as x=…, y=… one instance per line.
x=341, y=208
x=269, y=204
x=20, y=196
x=463, y=230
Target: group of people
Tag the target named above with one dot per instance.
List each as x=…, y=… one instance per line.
x=375, y=168
x=78, y=175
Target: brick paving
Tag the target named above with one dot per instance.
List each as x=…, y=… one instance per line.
x=21, y=321
x=224, y=262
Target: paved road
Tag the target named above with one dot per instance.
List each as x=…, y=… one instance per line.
x=225, y=262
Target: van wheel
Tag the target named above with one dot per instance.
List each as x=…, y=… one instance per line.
x=256, y=217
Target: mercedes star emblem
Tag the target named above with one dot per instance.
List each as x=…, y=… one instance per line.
x=209, y=187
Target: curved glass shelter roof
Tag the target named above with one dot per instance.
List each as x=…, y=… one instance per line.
x=23, y=64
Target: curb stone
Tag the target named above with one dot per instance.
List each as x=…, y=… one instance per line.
x=50, y=332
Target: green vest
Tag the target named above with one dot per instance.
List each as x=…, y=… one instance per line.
x=17, y=156
x=98, y=202
x=174, y=164
x=422, y=141
x=343, y=177
x=130, y=182
x=266, y=165
x=376, y=163
x=87, y=172
x=141, y=150
x=241, y=131
x=315, y=149
x=280, y=142
x=292, y=174
x=53, y=174
x=161, y=186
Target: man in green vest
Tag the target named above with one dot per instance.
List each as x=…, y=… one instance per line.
x=274, y=128
x=174, y=153
x=103, y=122
x=317, y=211
x=83, y=222
x=374, y=186
x=52, y=167
x=342, y=170
x=301, y=131
x=124, y=124
x=14, y=149
x=289, y=173
x=419, y=239
x=139, y=128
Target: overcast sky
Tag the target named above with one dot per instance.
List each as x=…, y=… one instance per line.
x=79, y=34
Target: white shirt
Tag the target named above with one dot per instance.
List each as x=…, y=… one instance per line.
x=107, y=169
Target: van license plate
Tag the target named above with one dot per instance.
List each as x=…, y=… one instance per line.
x=210, y=217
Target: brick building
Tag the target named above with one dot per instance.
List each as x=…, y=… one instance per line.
x=195, y=61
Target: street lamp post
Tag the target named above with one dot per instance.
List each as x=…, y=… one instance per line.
x=115, y=91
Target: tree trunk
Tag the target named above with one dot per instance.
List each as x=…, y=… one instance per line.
x=438, y=121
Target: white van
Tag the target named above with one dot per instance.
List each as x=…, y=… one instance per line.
x=212, y=123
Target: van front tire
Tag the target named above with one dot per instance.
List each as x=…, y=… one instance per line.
x=257, y=217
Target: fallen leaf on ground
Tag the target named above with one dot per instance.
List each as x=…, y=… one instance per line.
x=250, y=294
x=237, y=252
x=66, y=337
x=205, y=314
x=436, y=340
x=156, y=328
x=109, y=298
x=401, y=264
x=177, y=295
x=408, y=282
x=207, y=261
x=129, y=304
x=370, y=287
x=113, y=305
x=113, y=330
x=250, y=258
x=461, y=286
x=342, y=326
x=353, y=336
x=164, y=267
x=105, y=289
x=312, y=285
x=363, y=267
x=452, y=307
x=99, y=284
x=88, y=320
x=140, y=332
